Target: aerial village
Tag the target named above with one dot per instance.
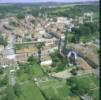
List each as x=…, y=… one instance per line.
x=38, y=40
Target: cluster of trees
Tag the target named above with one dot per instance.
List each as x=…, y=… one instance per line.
x=74, y=72
x=78, y=88
x=20, y=15
x=59, y=62
x=33, y=11
x=6, y=9
x=71, y=12
x=12, y=23
x=1, y=70
x=39, y=46
x=32, y=60
x=12, y=92
x=19, y=10
x=2, y=40
x=27, y=67
x=85, y=32
x=4, y=81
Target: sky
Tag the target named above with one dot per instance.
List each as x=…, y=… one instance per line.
x=25, y=1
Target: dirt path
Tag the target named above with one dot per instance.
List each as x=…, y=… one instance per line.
x=83, y=64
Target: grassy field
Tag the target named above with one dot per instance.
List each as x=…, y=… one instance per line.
x=91, y=83
x=89, y=80
x=30, y=92
x=29, y=71
x=52, y=88
x=56, y=89
x=21, y=46
x=94, y=93
x=37, y=71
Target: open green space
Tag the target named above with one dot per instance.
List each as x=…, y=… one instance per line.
x=56, y=89
x=29, y=71
x=53, y=89
x=87, y=84
x=67, y=10
x=89, y=80
x=30, y=92
x=23, y=45
x=94, y=93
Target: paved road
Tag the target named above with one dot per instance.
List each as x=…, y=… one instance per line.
x=31, y=42
x=9, y=53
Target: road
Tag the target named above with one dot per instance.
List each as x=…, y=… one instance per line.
x=11, y=56
x=30, y=42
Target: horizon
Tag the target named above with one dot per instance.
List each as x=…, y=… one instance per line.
x=44, y=1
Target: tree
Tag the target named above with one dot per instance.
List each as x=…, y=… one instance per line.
x=4, y=81
x=1, y=70
x=12, y=23
x=74, y=71
x=31, y=59
x=77, y=87
x=59, y=45
x=76, y=32
x=2, y=41
x=65, y=41
x=17, y=89
x=10, y=93
x=20, y=16
x=39, y=46
x=58, y=61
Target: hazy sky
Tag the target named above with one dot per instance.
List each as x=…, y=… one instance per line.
x=9, y=1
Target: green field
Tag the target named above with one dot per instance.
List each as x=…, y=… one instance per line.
x=90, y=80
x=95, y=94
x=29, y=71
x=87, y=84
x=30, y=92
x=55, y=89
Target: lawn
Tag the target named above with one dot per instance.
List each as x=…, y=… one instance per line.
x=30, y=92
x=63, y=91
x=27, y=69
x=90, y=80
x=56, y=89
x=37, y=71
x=95, y=94
x=20, y=46
x=88, y=84
x=22, y=77
x=51, y=83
